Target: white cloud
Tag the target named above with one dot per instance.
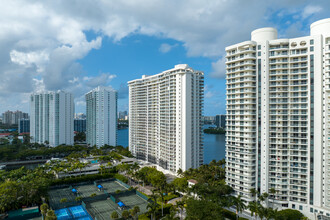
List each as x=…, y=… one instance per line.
x=165, y=48
x=219, y=68
x=209, y=94
x=310, y=10
x=41, y=41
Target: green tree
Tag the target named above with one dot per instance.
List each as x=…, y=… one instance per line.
x=43, y=208
x=180, y=184
x=152, y=206
x=114, y=215
x=63, y=200
x=171, y=215
x=134, y=211
x=239, y=204
x=272, y=192
x=290, y=214
x=125, y=214
x=180, y=205
x=203, y=209
x=254, y=207
x=51, y=215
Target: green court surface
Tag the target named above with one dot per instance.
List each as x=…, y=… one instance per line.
x=87, y=190
x=133, y=200
x=112, y=186
x=102, y=209
x=99, y=206
x=55, y=196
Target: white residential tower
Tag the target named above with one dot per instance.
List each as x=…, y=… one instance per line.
x=278, y=113
x=51, y=118
x=165, y=118
x=101, y=116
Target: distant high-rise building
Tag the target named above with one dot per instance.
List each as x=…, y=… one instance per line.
x=11, y=118
x=80, y=125
x=79, y=116
x=52, y=118
x=122, y=115
x=209, y=119
x=220, y=121
x=23, y=125
x=101, y=112
x=278, y=113
x=165, y=118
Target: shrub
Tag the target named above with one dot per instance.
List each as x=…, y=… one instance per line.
x=290, y=214
x=121, y=177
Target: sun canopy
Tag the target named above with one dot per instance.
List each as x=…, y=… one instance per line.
x=100, y=186
x=74, y=190
x=121, y=204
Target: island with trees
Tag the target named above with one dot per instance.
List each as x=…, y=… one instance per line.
x=211, y=130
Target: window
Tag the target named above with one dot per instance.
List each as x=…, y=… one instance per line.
x=311, y=42
x=311, y=49
x=259, y=47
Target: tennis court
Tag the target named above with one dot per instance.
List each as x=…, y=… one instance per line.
x=87, y=190
x=55, y=196
x=75, y=212
x=112, y=186
x=102, y=209
x=133, y=200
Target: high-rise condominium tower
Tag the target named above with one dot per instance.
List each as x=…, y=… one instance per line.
x=278, y=112
x=51, y=118
x=165, y=118
x=101, y=116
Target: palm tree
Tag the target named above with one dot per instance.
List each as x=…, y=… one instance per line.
x=152, y=206
x=180, y=205
x=239, y=204
x=272, y=192
x=254, y=193
x=263, y=197
x=179, y=172
x=136, y=209
x=254, y=207
x=171, y=215
x=102, y=168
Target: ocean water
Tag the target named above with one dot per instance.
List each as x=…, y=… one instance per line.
x=214, y=144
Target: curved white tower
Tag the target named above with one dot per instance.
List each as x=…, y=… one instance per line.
x=321, y=27
x=263, y=34
x=278, y=118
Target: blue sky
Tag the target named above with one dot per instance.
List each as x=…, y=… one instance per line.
x=137, y=55
x=78, y=45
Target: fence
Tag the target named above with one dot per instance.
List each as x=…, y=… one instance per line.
x=124, y=184
x=141, y=195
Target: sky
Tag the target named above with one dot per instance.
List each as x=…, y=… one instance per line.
x=76, y=45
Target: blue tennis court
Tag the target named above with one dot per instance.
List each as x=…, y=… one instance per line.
x=75, y=212
x=62, y=214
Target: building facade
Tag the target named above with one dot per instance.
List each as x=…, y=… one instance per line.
x=101, y=116
x=79, y=125
x=165, y=118
x=220, y=121
x=23, y=126
x=278, y=107
x=51, y=118
x=11, y=118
